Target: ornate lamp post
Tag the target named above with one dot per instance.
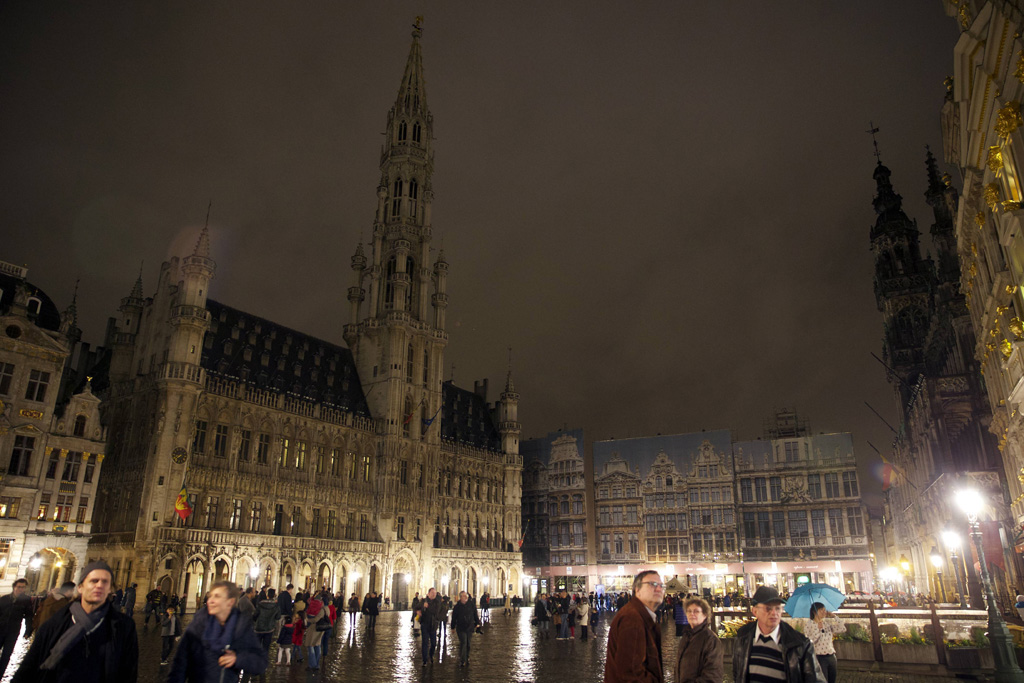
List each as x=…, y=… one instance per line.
x=951, y=540
x=936, y=559
x=971, y=502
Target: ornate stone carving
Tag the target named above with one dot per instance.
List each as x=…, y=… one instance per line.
x=992, y=196
x=1008, y=119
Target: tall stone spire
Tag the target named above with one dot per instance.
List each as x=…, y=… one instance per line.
x=412, y=93
x=943, y=198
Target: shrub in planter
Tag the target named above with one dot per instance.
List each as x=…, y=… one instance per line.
x=854, y=650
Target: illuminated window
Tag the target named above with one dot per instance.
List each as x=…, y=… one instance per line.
x=9, y=507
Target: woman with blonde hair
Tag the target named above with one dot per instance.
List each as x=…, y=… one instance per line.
x=700, y=650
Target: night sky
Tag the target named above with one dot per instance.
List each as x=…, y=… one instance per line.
x=663, y=208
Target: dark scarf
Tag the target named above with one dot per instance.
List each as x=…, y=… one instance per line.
x=217, y=637
x=82, y=625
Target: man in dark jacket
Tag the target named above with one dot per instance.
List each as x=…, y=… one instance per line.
x=769, y=648
x=430, y=613
x=634, y=637
x=219, y=643
x=268, y=611
x=284, y=601
x=464, y=620
x=128, y=602
x=15, y=607
x=154, y=599
x=87, y=641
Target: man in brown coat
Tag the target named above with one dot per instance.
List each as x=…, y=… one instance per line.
x=57, y=598
x=634, y=638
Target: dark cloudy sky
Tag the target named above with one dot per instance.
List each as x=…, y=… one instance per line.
x=662, y=207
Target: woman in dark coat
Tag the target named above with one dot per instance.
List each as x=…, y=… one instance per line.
x=700, y=650
x=219, y=642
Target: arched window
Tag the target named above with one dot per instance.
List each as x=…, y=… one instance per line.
x=414, y=194
x=416, y=131
x=410, y=299
x=396, y=199
x=33, y=305
x=658, y=484
x=407, y=416
x=668, y=481
x=80, y=425
x=403, y=131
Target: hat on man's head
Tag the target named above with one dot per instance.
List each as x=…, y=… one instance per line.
x=93, y=566
x=766, y=595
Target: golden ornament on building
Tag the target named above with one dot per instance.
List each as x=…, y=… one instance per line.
x=1007, y=348
x=973, y=270
x=1008, y=119
x=974, y=248
x=964, y=15
x=1010, y=205
x=979, y=218
x=1019, y=72
x=995, y=159
x=1016, y=326
x=992, y=196
x=1011, y=289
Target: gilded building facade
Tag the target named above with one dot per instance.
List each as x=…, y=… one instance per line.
x=982, y=137
x=50, y=435
x=352, y=467
x=620, y=516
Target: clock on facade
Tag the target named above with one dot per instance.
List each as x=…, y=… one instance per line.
x=179, y=454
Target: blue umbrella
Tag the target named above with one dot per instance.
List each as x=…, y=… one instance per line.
x=799, y=604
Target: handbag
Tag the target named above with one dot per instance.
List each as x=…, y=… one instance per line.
x=324, y=624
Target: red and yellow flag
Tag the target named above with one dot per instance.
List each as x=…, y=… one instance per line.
x=181, y=505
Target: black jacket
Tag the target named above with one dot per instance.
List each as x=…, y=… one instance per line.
x=464, y=617
x=284, y=601
x=13, y=612
x=430, y=613
x=195, y=662
x=797, y=653
x=111, y=653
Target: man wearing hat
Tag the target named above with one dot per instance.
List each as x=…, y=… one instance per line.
x=87, y=640
x=769, y=649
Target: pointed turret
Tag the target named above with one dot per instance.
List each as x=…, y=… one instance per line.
x=69, y=321
x=412, y=93
x=356, y=293
x=943, y=198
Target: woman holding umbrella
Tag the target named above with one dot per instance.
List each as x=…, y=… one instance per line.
x=821, y=631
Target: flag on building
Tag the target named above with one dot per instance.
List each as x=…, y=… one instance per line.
x=181, y=505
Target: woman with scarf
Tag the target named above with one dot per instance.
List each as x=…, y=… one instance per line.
x=315, y=613
x=219, y=643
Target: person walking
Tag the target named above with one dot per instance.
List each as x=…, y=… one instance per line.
x=285, y=602
x=821, y=630
x=353, y=610
x=316, y=617
x=170, y=629
x=284, y=643
x=562, y=604
x=700, y=651
x=268, y=613
x=332, y=615
x=15, y=608
x=219, y=643
x=679, y=615
x=464, y=620
x=446, y=606
x=430, y=611
x=634, y=637
x=415, y=608
x=298, y=631
x=583, y=615
x=152, y=608
x=371, y=606
x=769, y=649
x=128, y=605
x=55, y=600
x=246, y=605
x=87, y=640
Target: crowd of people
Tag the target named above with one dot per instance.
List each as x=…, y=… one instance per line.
x=86, y=631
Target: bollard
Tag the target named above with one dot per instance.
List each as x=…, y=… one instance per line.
x=876, y=637
x=940, y=638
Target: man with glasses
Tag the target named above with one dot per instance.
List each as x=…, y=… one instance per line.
x=634, y=638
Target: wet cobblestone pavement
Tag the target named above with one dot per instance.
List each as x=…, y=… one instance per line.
x=509, y=650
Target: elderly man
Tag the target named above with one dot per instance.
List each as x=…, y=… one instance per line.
x=634, y=637
x=464, y=620
x=770, y=649
x=87, y=640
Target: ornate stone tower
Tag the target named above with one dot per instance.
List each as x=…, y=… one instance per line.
x=398, y=339
x=903, y=286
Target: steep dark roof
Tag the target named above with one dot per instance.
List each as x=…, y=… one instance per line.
x=49, y=316
x=466, y=418
x=272, y=357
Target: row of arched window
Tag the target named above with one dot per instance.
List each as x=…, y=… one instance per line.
x=403, y=131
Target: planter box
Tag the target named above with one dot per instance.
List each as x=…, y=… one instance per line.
x=969, y=658
x=854, y=650
x=909, y=654
x=727, y=647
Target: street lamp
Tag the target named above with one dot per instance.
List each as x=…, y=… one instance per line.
x=951, y=539
x=937, y=563
x=971, y=502
x=905, y=566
